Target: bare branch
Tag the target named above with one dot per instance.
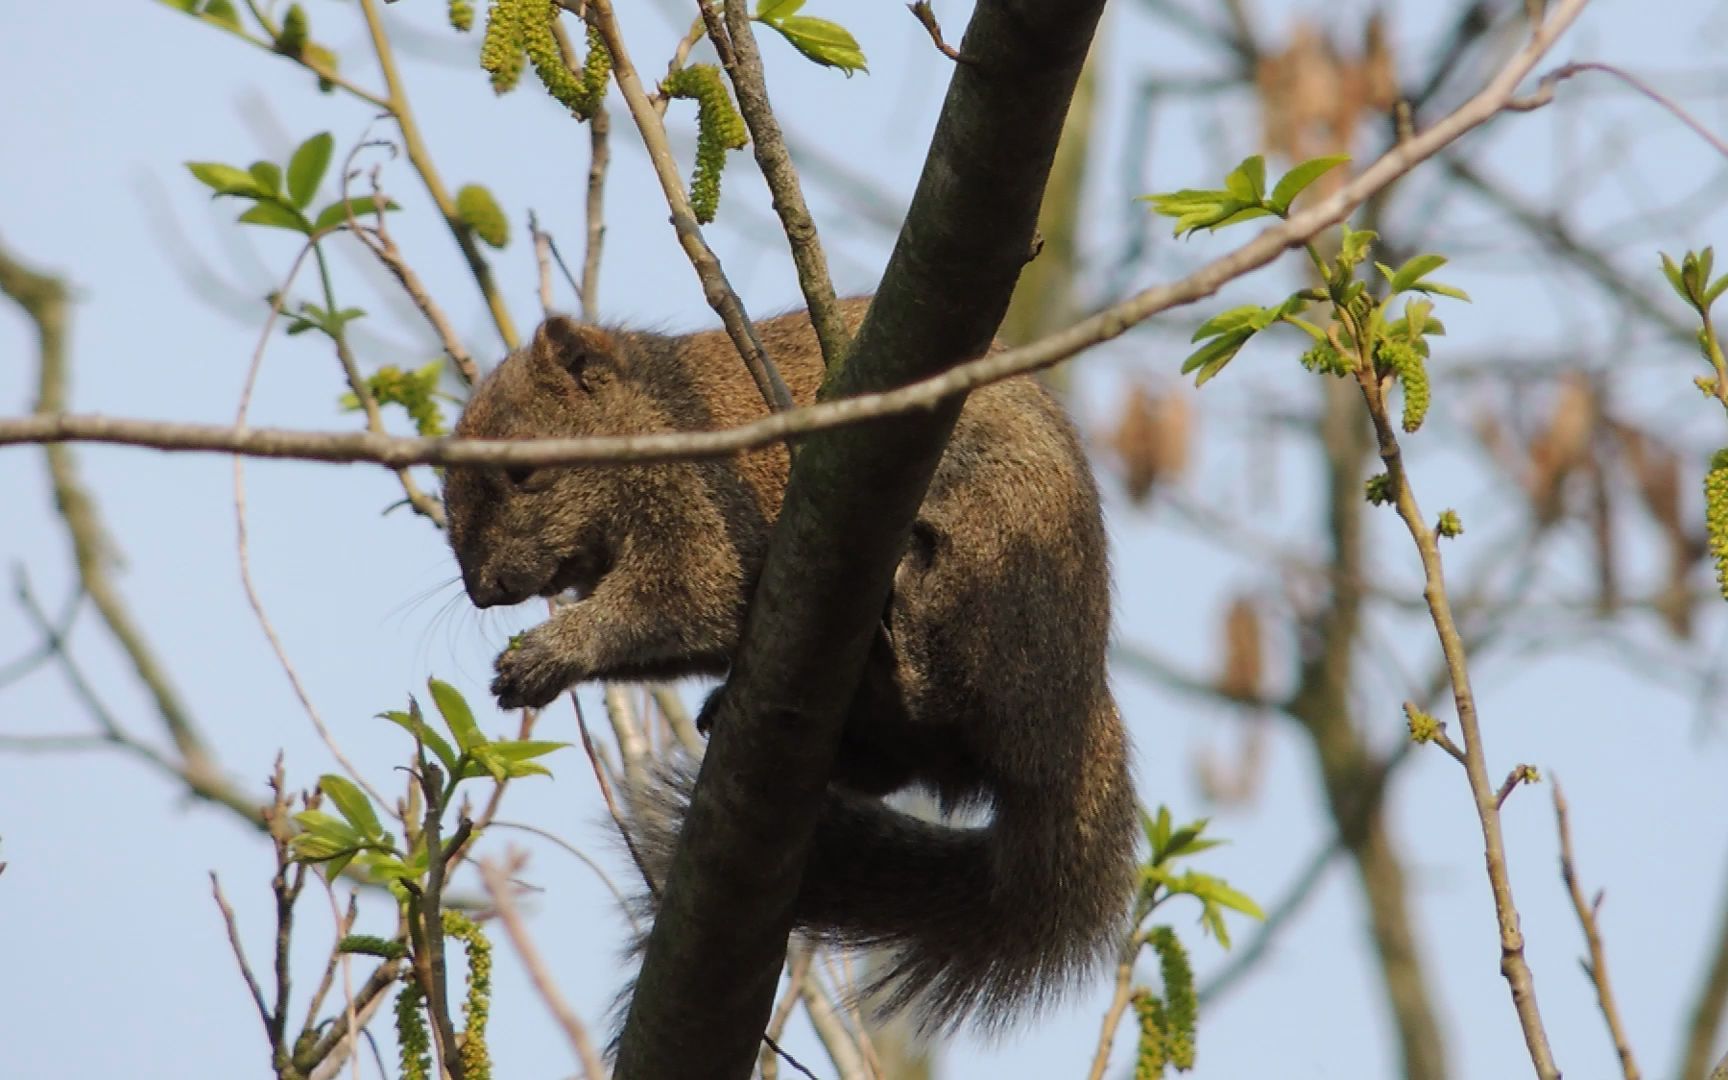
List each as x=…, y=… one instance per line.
x=1597, y=967
x=497, y=879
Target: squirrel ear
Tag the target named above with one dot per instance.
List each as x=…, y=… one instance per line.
x=586, y=352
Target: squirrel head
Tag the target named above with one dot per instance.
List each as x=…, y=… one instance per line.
x=527, y=531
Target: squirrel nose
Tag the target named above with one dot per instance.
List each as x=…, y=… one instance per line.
x=490, y=591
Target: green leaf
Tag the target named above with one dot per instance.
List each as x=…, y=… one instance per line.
x=1434, y=288
x=223, y=14
x=334, y=215
x=1210, y=359
x=226, y=179
x=457, y=716
x=1714, y=291
x=768, y=10
x=353, y=803
x=486, y=757
x=1354, y=244
x=526, y=749
x=1225, y=321
x=1297, y=180
x=1213, y=920
x=1672, y=273
x=306, y=168
x=273, y=214
x=1417, y=268
x=325, y=837
x=414, y=725
x=1247, y=181
x=827, y=43
x=1308, y=328
x=1157, y=831
x=269, y=176
x=1218, y=892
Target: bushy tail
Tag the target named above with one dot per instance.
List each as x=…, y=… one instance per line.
x=976, y=925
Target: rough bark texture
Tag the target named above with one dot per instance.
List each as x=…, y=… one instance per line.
x=708, y=976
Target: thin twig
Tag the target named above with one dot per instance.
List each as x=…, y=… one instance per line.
x=1545, y=93
x=421, y=158
x=745, y=66
x=1597, y=968
x=584, y=858
x=497, y=881
x=593, y=753
x=378, y=240
x=240, y=952
x=715, y=288
x=594, y=207
x=926, y=16
x=243, y=548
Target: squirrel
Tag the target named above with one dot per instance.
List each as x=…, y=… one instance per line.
x=986, y=685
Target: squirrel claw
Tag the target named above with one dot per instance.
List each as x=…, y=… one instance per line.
x=530, y=674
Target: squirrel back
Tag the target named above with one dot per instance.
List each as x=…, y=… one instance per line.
x=986, y=686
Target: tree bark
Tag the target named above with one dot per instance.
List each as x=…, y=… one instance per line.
x=715, y=954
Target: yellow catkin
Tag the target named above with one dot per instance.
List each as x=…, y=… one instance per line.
x=719, y=128
x=502, y=50
x=1716, y=516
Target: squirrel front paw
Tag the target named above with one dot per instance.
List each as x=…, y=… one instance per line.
x=532, y=671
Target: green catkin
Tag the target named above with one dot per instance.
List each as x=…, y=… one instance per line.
x=481, y=213
x=413, y=1042
x=502, y=50
x=1716, y=516
x=462, y=15
x=372, y=945
x=1423, y=727
x=1450, y=524
x=1181, y=1007
x=1405, y=360
x=719, y=128
x=1378, y=489
x=1326, y=360
x=596, y=71
x=477, y=1006
x=581, y=94
x=1151, y=1052
x=295, y=30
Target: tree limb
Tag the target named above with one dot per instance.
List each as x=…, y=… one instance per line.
x=717, y=948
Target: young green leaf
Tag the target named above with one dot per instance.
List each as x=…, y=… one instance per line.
x=306, y=168
x=334, y=214
x=277, y=216
x=1209, y=359
x=1247, y=181
x=487, y=757
x=1414, y=270
x=768, y=10
x=457, y=716
x=1216, y=891
x=1669, y=270
x=353, y=804
x=269, y=176
x=1225, y=321
x=1354, y=244
x=324, y=837
x=416, y=726
x=226, y=179
x=1297, y=180
x=223, y=14
x=827, y=43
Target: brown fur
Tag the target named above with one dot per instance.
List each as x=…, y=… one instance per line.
x=987, y=687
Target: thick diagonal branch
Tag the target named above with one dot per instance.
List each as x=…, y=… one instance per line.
x=715, y=954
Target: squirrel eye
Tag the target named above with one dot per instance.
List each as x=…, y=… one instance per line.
x=519, y=475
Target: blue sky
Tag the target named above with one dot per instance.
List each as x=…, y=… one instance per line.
x=112, y=956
